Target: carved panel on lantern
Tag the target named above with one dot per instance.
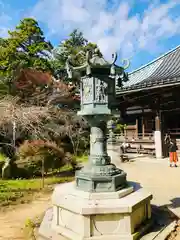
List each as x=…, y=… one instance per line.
x=87, y=90
x=101, y=95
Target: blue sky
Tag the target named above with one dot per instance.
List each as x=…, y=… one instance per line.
x=140, y=30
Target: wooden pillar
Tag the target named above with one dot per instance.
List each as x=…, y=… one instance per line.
x=165, y=151
x=143, y=123
x=136, y=128
x=157, y=122
x=122, y=116
x=143, y=130
x=157, y=135
x=158, y=113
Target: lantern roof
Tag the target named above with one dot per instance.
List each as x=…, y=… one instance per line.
x=96, y=61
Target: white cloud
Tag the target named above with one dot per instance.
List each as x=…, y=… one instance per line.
x=158, y=23
x=113, y=30
x=115, y=25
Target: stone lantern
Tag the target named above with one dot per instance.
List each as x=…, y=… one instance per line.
x=100, y=204
x=97, y=90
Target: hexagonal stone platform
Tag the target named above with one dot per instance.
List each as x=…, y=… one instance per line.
x=79, y=215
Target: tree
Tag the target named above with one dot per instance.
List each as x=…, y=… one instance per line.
x=22, y=121
x=3, y=42
x=56, y=129
x=25, y=47
x=72, y=46
x=41, y=88
x=77, y=130
x=40, y=156
x=33, y=87
x=22, y=118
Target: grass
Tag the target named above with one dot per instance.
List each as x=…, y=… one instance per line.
x=2, y=157
x=31, y=227
x=82, y=159
x=22, y=190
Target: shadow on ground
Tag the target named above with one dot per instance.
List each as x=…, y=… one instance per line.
x=161, y=218
x=175, y=203
x=135, y=185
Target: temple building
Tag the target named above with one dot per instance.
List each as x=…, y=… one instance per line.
x=150, y=103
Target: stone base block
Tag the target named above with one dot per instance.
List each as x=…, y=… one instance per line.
x=99, y=216
x=45, y=231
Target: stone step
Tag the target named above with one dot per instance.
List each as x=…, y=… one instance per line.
x=162, y=234
x=164, y=224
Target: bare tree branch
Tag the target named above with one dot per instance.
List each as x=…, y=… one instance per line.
x=26, y=118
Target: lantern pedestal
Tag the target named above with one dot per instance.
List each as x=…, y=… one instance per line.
x=79, y=215
x=99, y=175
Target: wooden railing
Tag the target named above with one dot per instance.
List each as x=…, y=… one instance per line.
x=174, y=131
x=137, y=145
x=139, y=137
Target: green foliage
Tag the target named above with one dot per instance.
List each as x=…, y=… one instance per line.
x=25, y=47
x=4, y=87
x=37, y=152
x=2, y=157
x=31, y=227
x=75, y=44
x=83, y=158
x=119, y=128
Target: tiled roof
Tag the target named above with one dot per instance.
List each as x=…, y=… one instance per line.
x=163, y=70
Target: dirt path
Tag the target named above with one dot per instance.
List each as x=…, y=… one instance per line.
x=13, y=220
x=155, y=176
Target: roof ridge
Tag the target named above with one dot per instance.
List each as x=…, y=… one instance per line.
x=158, y=58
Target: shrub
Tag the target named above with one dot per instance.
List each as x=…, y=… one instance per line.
x=32, y=155
x=2, y=160
x=70, y=159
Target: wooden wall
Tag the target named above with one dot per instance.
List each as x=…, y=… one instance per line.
x=140, y=123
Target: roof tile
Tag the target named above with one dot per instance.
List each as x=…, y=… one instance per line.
x=165, y=67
